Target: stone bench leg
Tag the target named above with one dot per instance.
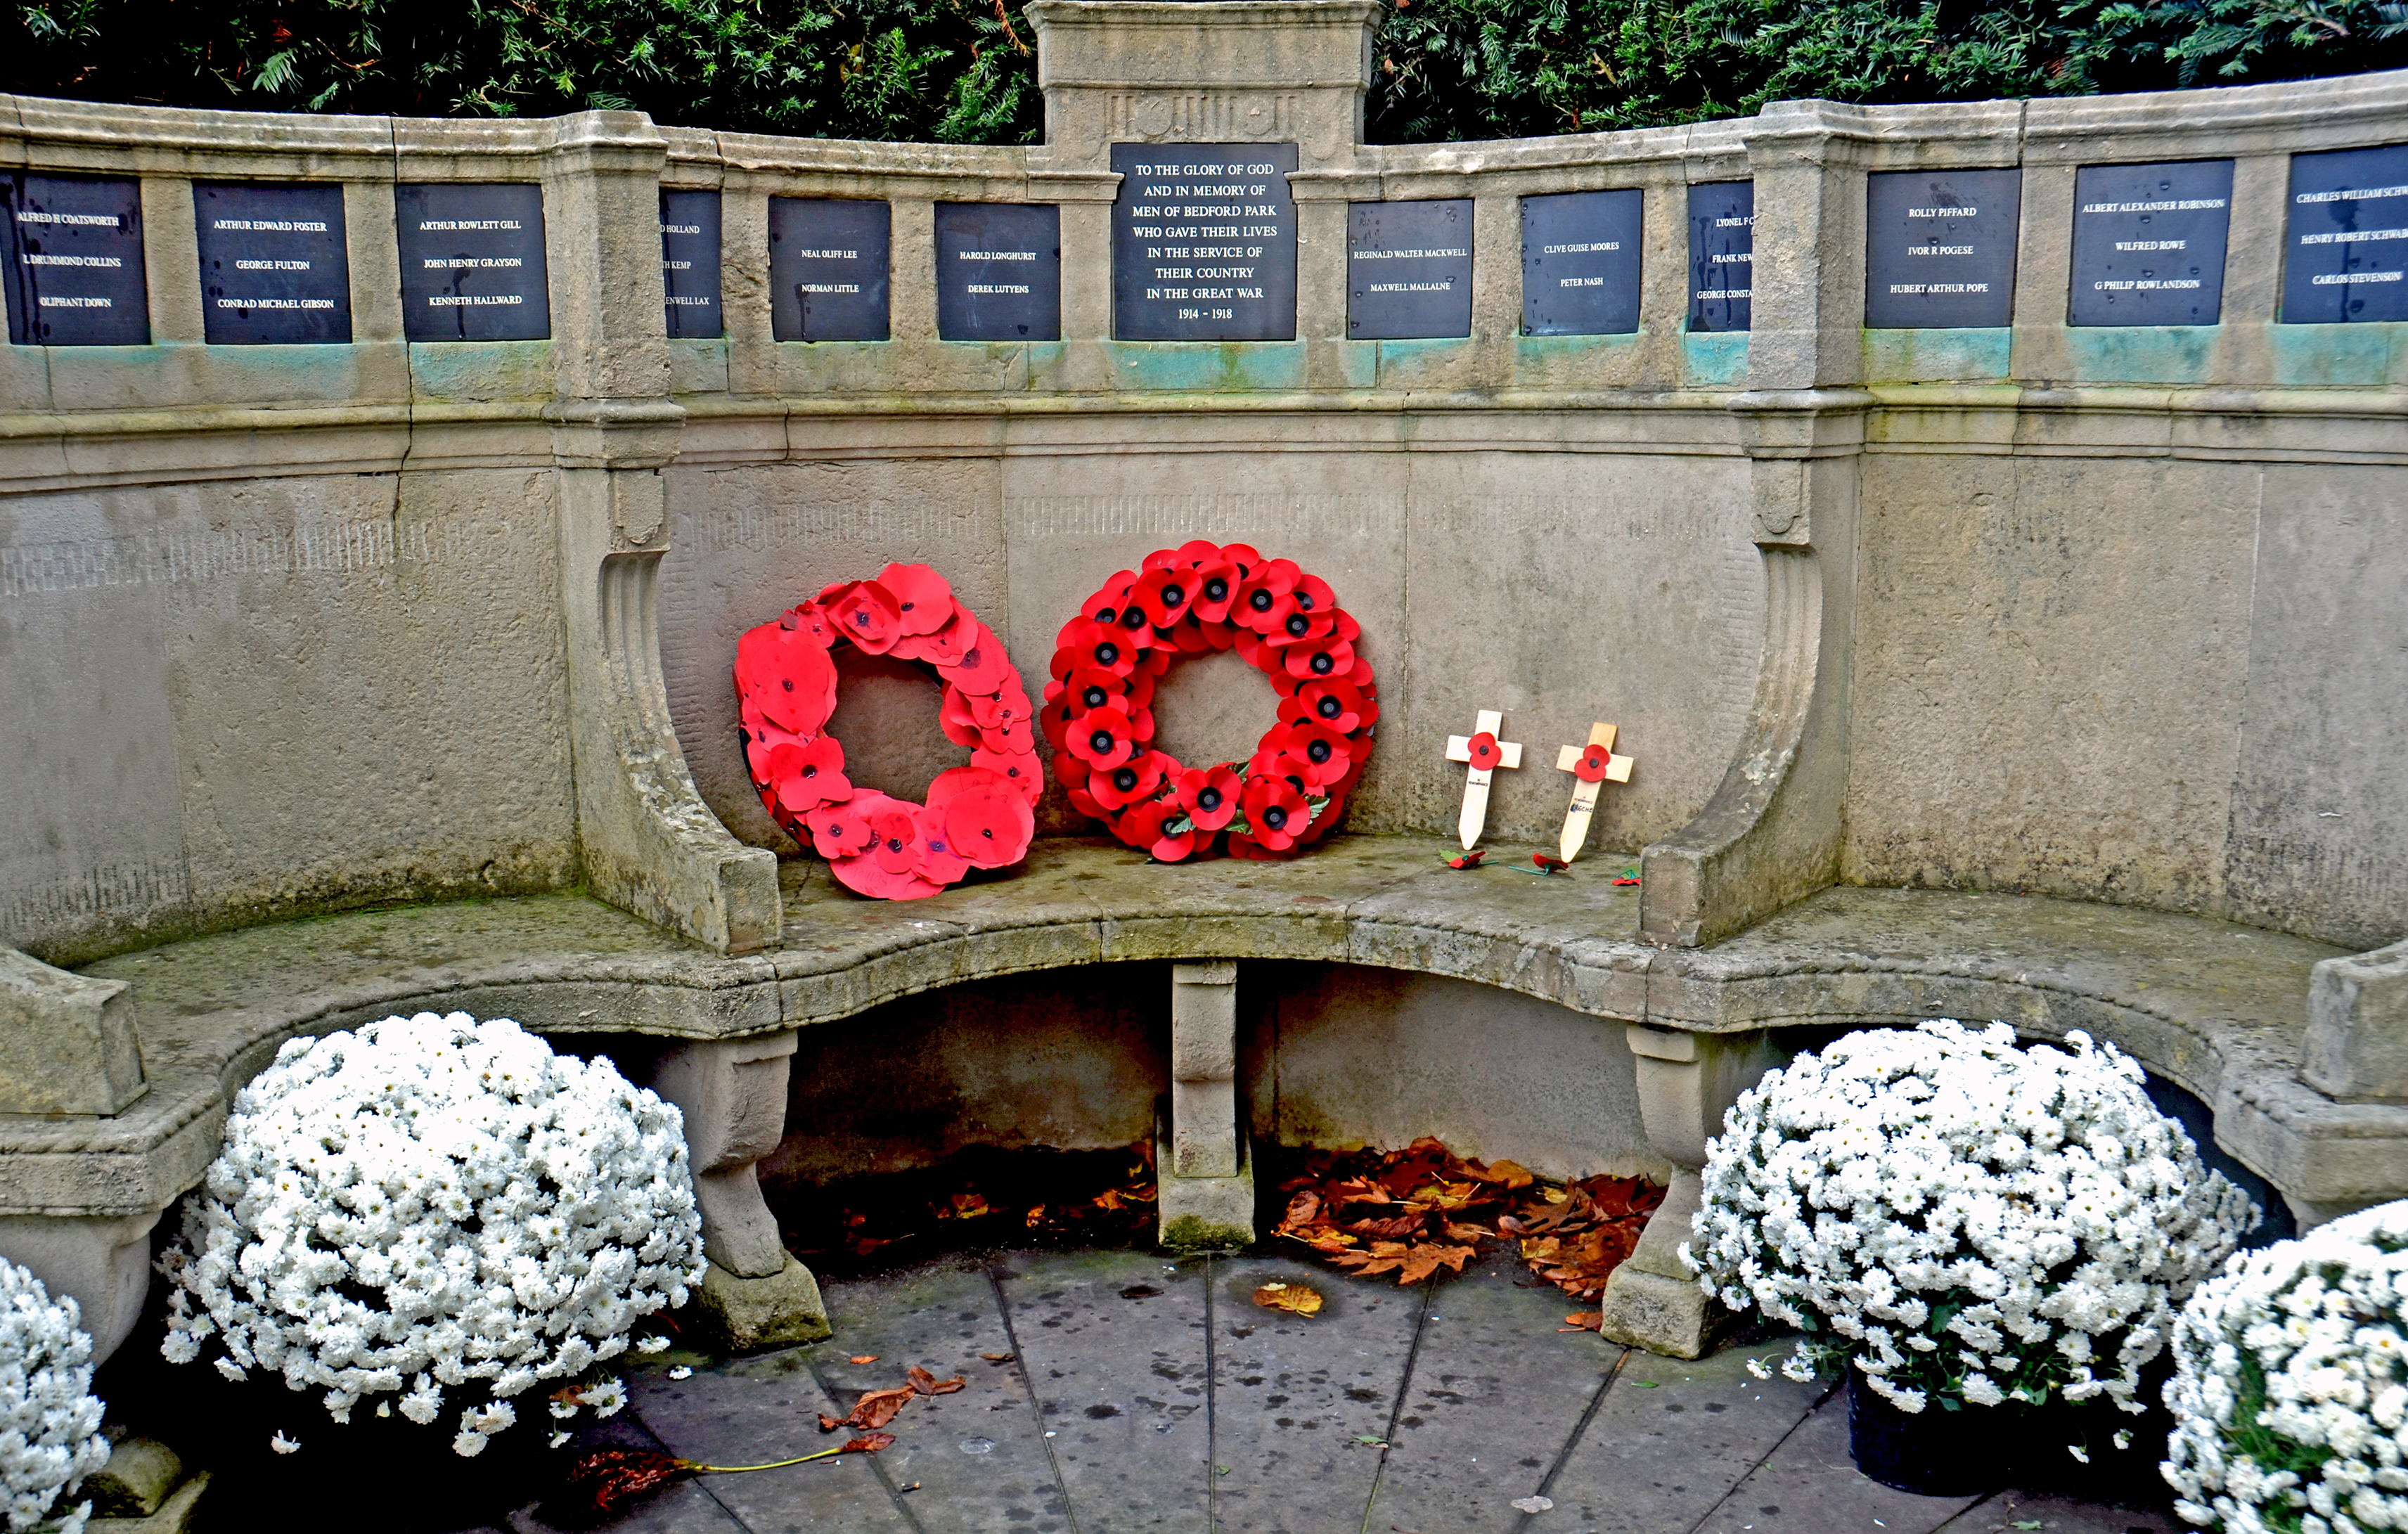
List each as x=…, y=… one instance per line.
x=1206, y=1176
x=1686, y=1081
x=733, y=1093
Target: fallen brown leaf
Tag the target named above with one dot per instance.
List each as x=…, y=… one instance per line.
x=1296, y=1299
x=998, y=1357
x=875, y=1408
x=868, y=1444
x=865, y=1357
x=1583, y=1321
x=928, y=1384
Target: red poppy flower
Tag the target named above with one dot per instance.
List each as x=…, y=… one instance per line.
x=1193, y=554
x=1243, y=556
x=1088, y=688
x=841, y=830
x=1466, y=860
x=1593, y=762
x=924, y=600
x=1009, y=740
x=1002, y=709
x=1339, y=705
x=866, y=876
x=1320, y=658
x=1100, y=738
x=1019, y=769
x=1104, y=605
x=896, y=828
x=939, y=860
x=1217, y=583
x=787, y=675
x=987, y=818
x=1248, y=849
x=812, y=619
x=1548, y=865
x=808, y=776
x=866, y=615
x=1133, y=782
x=1484, y=753
x=1276, y=811
x=984, y=667
x=1155, y=661
x=1092, y=647
x=1141, y=825
x=1325, y=821
x=1325, y=754
x=1301, y=627
x=1313, y=596
x=1267, y=595
x=1209, y=796
x=1070, y=770
x=958, y=721
x=1084, y=803
x=761, y=737
x=1191, y=637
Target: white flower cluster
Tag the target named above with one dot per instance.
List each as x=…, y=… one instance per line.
x=1980, y=1223
x=50, y=1424
x=430, y=1201
x=2290, y=1387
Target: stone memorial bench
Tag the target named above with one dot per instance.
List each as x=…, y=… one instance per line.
x=2219, y=1010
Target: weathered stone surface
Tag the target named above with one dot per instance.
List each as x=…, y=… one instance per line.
x=2358, y=1026
x=732, y=1093
x=174, y=1517
x=1204, y=1213
x=138, y=1477
x=745, y=1313
x=67, y=1042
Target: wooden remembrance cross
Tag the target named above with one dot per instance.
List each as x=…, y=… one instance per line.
x=1485, y=753
x=1598, y=753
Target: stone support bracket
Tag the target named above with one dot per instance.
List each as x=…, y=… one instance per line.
x=102, y=1260
x=2356, y=1045
x=1206, y=1181
x=733, y=1093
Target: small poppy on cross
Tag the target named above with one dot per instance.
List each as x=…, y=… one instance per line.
x=1485, y=753
x=1592, y=766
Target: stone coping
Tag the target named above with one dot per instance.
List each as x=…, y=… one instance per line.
x=2215, y=1007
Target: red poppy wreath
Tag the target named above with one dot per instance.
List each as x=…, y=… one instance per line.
x=979, y=816
x=1199, y=597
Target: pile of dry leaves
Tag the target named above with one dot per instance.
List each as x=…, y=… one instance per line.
x=1412, y=1211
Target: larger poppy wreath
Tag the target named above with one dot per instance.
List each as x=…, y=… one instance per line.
x=1191, y=600
x=979, y=816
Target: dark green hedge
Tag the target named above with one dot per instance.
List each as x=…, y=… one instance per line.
x=963, y=71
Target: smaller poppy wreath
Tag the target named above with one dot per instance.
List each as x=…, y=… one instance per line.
x=1191, y=600
x=979, y=816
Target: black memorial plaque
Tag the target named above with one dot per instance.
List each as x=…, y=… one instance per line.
x=2345, y=257
x=1722, y=255
x=1409, y=269
x=1939, y=249
x=1187, y=210
x=472, y=263
x=2148, y=243
x=1579, y=264
x=998, y=272
x=275, y=267
x=689, y=262
x=828, y=266
x=74, y=250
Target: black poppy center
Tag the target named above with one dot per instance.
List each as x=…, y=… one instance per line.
x=1096, y=697
x=1216, y=590
x=1260, y=601
x=1108, y=653
x=1133, y=618
x=1322, y=662
x=1329, y=708
x=1173, y=595
x=1304, y=600
x=1275, y=817
x=788, y=683
x=1299, y=624
x=1125, y=780
x=894, y=844
x=1209, y=799
x=1101, y=741
x=908, y=605
x=812, y=770
x=1318, y=752
x=987, y=832
x=1107, y=615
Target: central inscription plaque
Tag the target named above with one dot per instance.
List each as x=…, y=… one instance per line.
x=1204, y=243
x=472, y=266
x=1722, y=255
x=74, y=253
x=689, y=262
x=1940, y=247
x=998, y=272
x=1409, y=270
x=275, y=270
x=1579, y=264
x=2346, y=255
x=828, y=266
x=2148, y=243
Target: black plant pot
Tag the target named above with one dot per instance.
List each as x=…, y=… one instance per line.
x=1932, y=1453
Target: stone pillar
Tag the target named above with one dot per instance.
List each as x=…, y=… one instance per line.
x=1686, y=1082
x=1207, y=1179
x=733, y=1093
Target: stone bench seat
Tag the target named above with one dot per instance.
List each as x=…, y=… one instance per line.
x=2216, y=1007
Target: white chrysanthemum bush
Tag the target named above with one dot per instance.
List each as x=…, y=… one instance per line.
x=2290, y=1387
x=50, y=1424
x=1966, y=1221
x=440, y=1211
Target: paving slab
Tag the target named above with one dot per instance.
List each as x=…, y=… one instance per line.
x=1116, y=1345
x=755, y=1411
x=1496, y=1393
x=1809, y=1486
x=1672, y=1437
x=1301, y=1403
x=2021, y=1513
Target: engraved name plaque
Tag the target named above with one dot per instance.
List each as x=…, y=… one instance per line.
x=1722, y=255
x=2148, y=243
x=472, y=264
x=1579, y=264
x=2346, y=251
x=74, y=250
x=1409, y=269
x=1940, y=247
x=275, y=269
x=1204, y=243
x=829, y=264
x=998, y=272
x=689, y=262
